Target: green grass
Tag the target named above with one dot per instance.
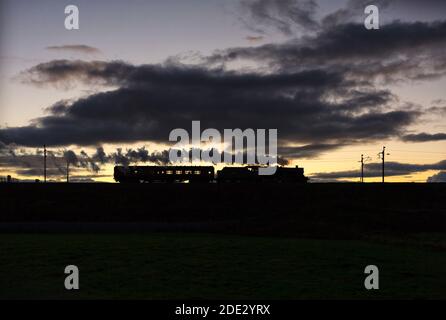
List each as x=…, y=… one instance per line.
x=169, y=266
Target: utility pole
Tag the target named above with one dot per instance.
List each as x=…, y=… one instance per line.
x=362, y=168
x=384, y=157
x=44, y=163
x=363, y=161
x=382, y=154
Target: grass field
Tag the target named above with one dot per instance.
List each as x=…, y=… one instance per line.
x=178, y=266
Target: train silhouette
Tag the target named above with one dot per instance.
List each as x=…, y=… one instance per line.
x=205, y=174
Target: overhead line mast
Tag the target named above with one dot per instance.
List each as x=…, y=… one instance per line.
x=44, y=163
x=382, y=155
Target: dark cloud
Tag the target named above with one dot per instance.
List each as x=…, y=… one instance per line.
x=398, y=51
x=154, y=99
x=293, y=17
x=307, y=151
x=321, y=91
x=424, y=137
x=50, y=172
x=439, y=177
x=82, y=179
x=353, y=11
x=118, y=73
x=66, y=71
x=437, y=110
x=77, y=48
x=24, y=162
x=285, y=16
x=373, y=170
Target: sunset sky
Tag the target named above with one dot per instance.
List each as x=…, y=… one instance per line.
x=110, y=92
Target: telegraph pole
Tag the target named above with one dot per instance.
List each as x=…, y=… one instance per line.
x=363, y=161
x=362, y=168
x=44, y=163
x=383, y=156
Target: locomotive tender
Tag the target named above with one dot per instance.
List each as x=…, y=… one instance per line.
x=171, y=174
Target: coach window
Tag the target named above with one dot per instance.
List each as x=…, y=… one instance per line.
x=179, y=172
x=197, y=172
x=169, y=172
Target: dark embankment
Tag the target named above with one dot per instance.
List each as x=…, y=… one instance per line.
x=316, y=210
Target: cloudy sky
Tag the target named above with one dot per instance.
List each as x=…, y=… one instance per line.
x=110, y=92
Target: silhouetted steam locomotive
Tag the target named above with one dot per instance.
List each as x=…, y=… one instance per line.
x=140, y=174
x=251, y=174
